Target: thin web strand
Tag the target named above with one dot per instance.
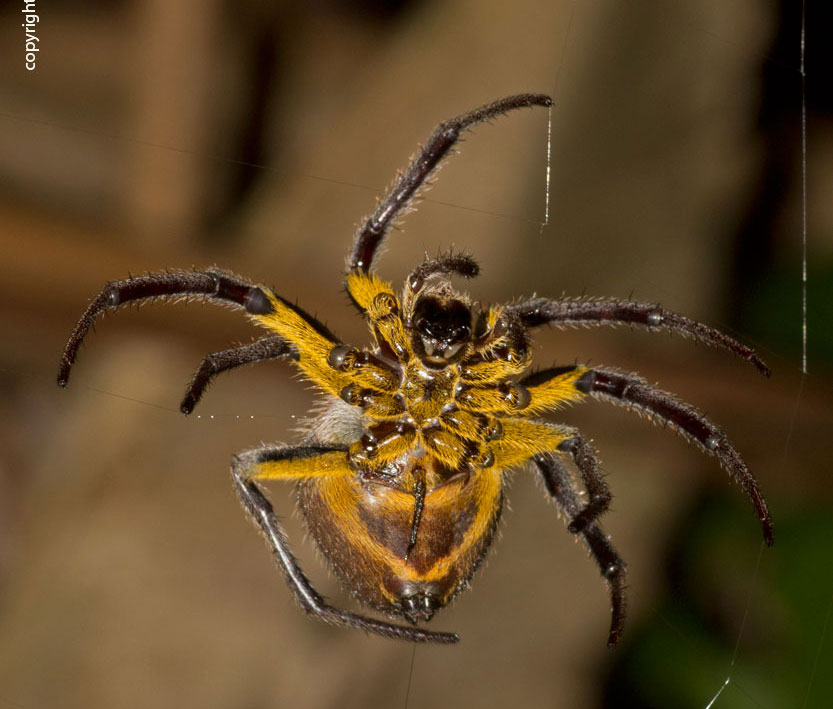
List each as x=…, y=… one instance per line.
x=803, y=73
x=410, y=677
x=555, y=92
x=549, y=155
x=794, y=416
x=733, y=661
x=823, y=637
x=803, y=195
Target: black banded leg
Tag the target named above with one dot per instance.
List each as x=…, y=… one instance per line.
x=373, y=231
x=213, y=285
x=595, y=311
x=634, y=392
x=561, y=489
x=261, y=512
x=597, y=490
x=258, y=351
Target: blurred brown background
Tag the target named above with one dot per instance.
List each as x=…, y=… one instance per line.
x=255, y=136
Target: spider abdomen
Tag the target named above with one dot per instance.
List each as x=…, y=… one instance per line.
x=364, y=529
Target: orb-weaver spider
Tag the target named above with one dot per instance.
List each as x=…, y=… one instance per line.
x=401, y=479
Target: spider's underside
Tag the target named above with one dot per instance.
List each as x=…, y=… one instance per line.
x=401, y=479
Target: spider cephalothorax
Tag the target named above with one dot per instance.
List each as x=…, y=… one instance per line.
x=401, y=475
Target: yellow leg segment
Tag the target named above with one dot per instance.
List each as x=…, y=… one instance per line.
x=365, y=287
x=297, y=463
x=522, y=440
x=312, y=346
x=555, y=392
x=327, y=363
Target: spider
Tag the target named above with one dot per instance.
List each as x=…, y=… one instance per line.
x=401, y=475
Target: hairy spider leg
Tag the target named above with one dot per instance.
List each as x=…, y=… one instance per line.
x=597, y=311
x=212, y=285
x=300, y=463
x=272, y=347
x=629, y=390
x=364, y=288
x=561, y=488
x=302, y=336
x=540, y=442
x=523, y=439
x=599, y=496
x=399, y=199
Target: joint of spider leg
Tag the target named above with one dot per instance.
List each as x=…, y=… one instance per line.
x=569, y=445
x=613, y=570
x=597, y=504
x=405, y=425
x=386, y=304
x=516, y=395
x=375, y=227
x=485, y=458
x=481, y=332
x=451, y=132
x=216, y=279
x=381, y=437
x=257, y=303
x=377, y=404
x=655, y=318
x=341, y=357
x=510, y=355
x=354, y=395
x=493, y=430
x=394, y=348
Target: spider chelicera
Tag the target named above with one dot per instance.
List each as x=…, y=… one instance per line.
x=401, y=478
